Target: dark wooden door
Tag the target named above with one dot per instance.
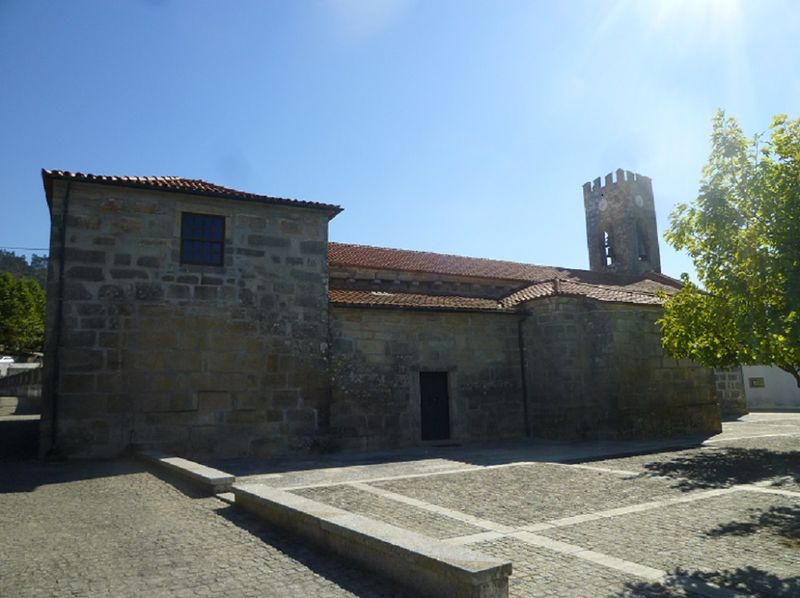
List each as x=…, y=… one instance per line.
x=435, y=407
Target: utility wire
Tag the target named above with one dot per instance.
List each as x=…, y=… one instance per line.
x=26, y=248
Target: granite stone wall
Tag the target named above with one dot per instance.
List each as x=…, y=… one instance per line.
x=199, y=360
x=730, y=391
x=622, y=208
x=378, y=354
x=597, y=371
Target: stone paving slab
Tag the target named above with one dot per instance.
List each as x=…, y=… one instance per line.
x=389, y=511
x=524, y=494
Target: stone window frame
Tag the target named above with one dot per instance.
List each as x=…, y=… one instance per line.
x=220, y=242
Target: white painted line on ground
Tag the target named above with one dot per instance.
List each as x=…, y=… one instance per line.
x=621, y=565
x=771, y=490
x=637, y=508
x=599, y=558
x=381, y=478
x=457, y=515
x=620, y=472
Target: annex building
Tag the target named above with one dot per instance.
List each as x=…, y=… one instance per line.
x=202, y=320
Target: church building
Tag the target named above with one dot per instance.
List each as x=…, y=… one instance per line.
x=205, y=321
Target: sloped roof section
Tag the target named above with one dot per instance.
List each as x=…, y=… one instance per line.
x=569, y=288
x=509, y=304
x=381, y=298
x=383, y=258
x=180, y=185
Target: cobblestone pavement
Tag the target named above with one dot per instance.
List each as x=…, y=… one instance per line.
x=672, y=524
x=721, y=519
x=114, y=529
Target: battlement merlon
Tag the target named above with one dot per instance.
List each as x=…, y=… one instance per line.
x=624, y=178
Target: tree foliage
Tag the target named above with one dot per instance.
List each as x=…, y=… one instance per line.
x=22, y=303
x=743, y=235
x=19, y=266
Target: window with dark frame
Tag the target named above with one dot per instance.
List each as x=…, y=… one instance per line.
x=202, y=239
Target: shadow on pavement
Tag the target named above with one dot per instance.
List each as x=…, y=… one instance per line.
x=480, y=454
x=19, y=437
x=783, y=521
x=25, y=475
x=333, y=568
x=748, y=581
x=725, y=467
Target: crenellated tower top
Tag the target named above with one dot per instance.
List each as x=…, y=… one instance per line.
x=621, y=230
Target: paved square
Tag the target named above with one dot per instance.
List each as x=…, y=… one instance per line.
x=718, y=520
x=114, y=529
x=669, y=524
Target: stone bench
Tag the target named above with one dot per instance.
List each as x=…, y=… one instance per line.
x=212, y=480
x=428, y=566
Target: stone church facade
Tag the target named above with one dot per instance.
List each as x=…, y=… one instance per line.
x=201, y=320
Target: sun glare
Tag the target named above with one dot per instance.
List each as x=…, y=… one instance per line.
x=710, y=18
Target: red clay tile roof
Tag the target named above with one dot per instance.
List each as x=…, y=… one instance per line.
x=348, y=297
x=510, y=303
x=178, y=184
x=570, y=288
x=344, y=254
x=383, y=258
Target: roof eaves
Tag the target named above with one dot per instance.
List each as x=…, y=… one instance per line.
x=557, y=289
x=664, y=279
x=406, y=307
x=146, y=183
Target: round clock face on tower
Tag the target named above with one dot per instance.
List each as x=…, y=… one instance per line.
x=639, y=200
x=602, y=204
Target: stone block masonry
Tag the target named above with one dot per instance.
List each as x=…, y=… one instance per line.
x=249, y=355
x=598, y=371
x=207, y=360
x=378, y=356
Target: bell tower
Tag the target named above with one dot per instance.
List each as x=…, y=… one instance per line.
x=621, y=229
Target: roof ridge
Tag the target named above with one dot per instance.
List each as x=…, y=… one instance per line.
x=610, y=287
x=455, y=255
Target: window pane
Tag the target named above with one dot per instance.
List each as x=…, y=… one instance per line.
x=202, y=239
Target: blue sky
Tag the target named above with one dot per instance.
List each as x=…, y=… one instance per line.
x=452, y=126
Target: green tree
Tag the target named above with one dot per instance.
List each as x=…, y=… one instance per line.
x=19, y=266
x=743, y=235
x=22, y=303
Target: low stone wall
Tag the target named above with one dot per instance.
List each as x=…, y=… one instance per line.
x=27, y=387
x=427, y=566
